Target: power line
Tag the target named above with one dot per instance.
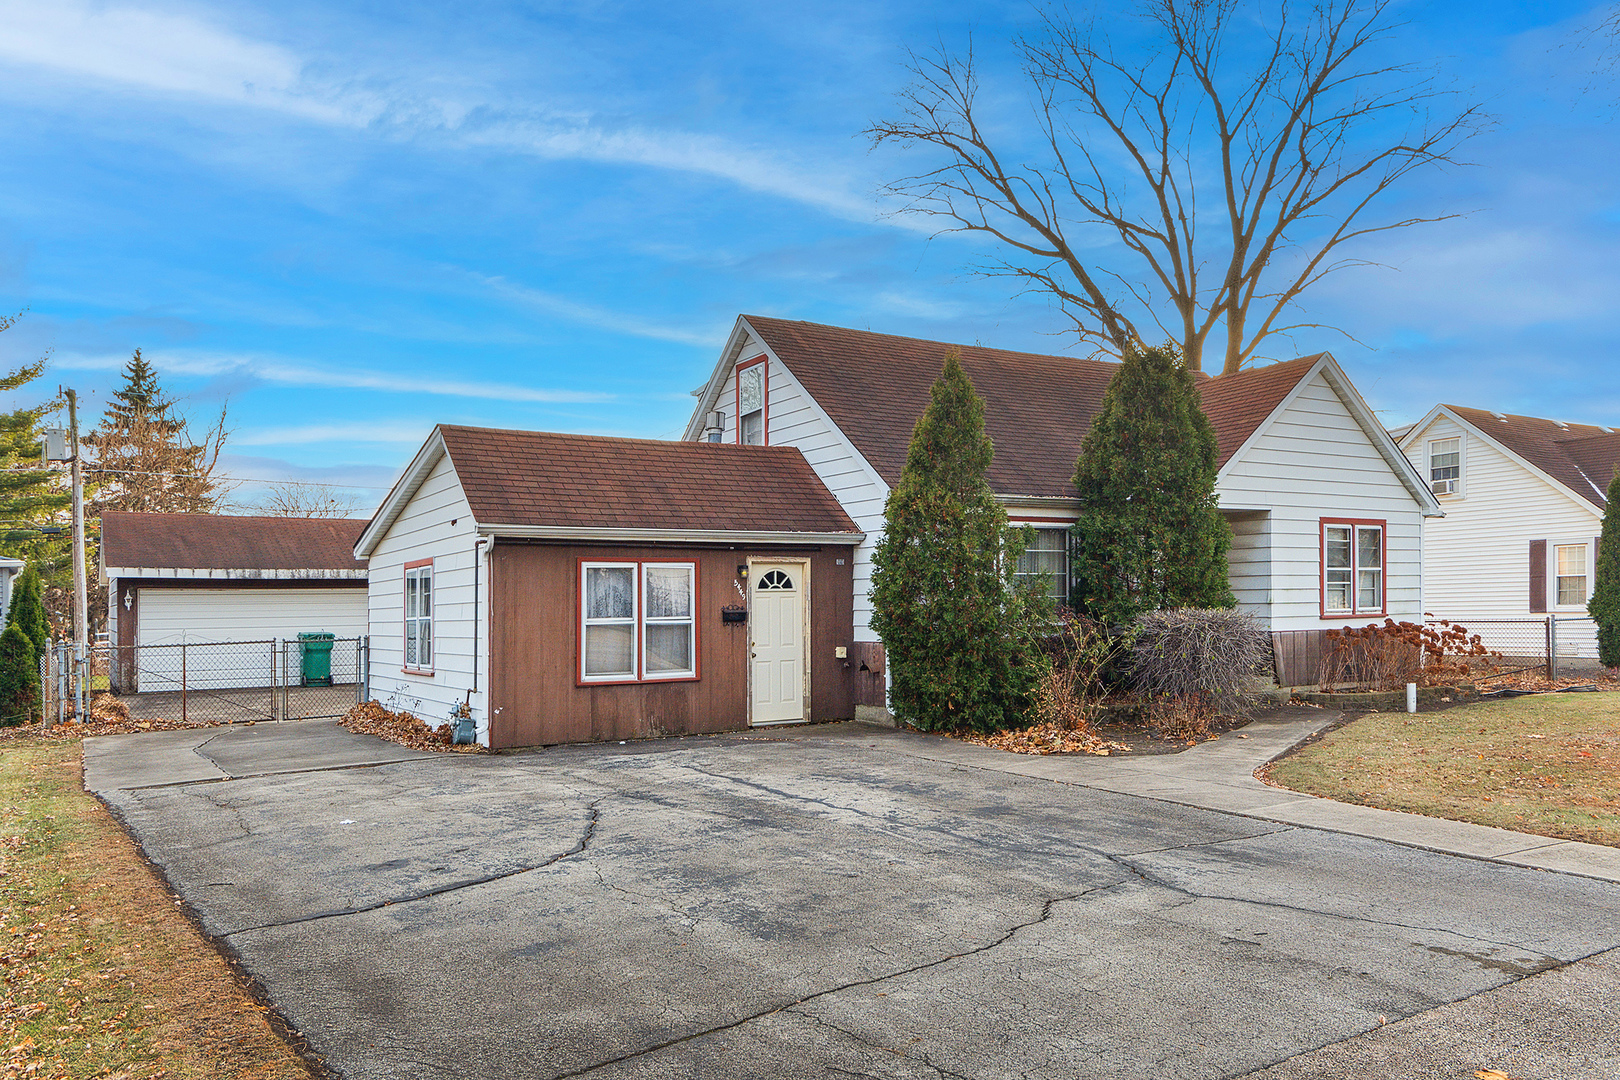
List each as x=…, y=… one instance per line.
x=247, y=479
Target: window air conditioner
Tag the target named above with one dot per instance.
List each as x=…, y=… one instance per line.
x=1444, y=487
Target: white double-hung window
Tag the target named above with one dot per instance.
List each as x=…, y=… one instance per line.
x=751, y=401
x=638, y=621
x=1445, y=466
x=1352, y=567
x=1571, y=575
x=1048, y=553
x=419, y=617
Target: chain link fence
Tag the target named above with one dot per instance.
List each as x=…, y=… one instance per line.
x=1556, y=646
x=212, y=681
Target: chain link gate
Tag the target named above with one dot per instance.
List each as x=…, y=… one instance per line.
x=205, y=682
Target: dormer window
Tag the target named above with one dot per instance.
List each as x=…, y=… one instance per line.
x=751, y=397
x=1445, y=466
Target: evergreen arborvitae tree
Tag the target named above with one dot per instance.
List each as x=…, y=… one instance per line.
x=28, y=608
x=19, y=677
x=1604, y=607
x=1150, y=535
x=958, y=627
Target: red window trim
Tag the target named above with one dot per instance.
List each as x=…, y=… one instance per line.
x=765, y=399
x=1037, y=521
x=579, y=621
x=416, y=564
x=1383, y=567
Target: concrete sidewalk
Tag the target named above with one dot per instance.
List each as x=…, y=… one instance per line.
x=1219, y=775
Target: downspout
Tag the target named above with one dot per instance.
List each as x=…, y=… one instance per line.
x=467, y=728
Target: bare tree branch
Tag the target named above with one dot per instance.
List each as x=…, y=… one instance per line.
x=294, y=498
x=1305, y=135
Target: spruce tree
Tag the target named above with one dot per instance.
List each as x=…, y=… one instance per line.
x=28, y=608
x=958, y=627
x=145, y=459
x=1604, y=607
x=1150, y=534
x=19, y=677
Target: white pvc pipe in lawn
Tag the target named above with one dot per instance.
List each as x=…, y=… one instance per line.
x=1411, y=697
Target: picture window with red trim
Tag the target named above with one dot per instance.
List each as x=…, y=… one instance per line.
x=638, y=621
x=1352, y=568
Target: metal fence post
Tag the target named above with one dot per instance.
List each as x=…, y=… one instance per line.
x=362, y=669
x=278, y=700
x=1552, y=647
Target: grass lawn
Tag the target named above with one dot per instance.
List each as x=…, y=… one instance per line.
x=103, y=975
x=1548, y=764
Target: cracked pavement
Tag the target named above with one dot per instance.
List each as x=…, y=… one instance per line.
x=817, y=905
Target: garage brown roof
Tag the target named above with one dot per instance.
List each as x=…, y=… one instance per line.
x=542, y=478
x=1582, y=457
x=1038, y=408
x=223, y=542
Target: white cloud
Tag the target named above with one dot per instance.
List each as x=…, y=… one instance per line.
x=180, y=55
x=283, y=373
x=591, y=315
x=362, y=432
x=158, y=51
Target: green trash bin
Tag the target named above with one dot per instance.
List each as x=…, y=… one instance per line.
x=316, y=656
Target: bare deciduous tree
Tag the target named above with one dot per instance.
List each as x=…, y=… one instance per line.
x=296, y=498
x=1298, y=136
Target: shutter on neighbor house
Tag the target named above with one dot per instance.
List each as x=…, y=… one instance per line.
x=1538, y=575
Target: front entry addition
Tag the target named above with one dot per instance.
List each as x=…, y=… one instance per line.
x=776, y=642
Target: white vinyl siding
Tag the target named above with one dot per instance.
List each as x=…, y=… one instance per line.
x=1477, y=558
x=795, y=420
x=424, y=530
x=1314, y=461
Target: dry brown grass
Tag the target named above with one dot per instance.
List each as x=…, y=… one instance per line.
x=103, y=975
x=1548, y=764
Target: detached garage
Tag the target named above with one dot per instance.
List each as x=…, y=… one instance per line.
x=175, y=578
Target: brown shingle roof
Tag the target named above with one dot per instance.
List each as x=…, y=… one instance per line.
x=1582, y=457
x=219, y=542
x=1037, y=408
x=587, y=481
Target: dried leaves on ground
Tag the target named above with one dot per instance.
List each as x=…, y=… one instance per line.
x=105, y=716
x=1047, y=739
x=103, y=975
x=403, y=728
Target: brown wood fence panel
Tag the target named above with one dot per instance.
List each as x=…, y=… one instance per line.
x=1298, y=656
x=866, y=673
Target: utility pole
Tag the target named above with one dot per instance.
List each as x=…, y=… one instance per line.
x=81, y=603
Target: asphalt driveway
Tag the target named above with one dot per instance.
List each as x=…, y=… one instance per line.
x=821, y=905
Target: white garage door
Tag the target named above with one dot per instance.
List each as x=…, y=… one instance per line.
x=173, y=615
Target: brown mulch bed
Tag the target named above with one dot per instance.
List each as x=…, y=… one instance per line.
x=1138, y=738
x=404, y=729
x=106, y=716
x=1604, y=679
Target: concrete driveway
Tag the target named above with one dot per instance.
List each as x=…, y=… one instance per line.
x=825, y=904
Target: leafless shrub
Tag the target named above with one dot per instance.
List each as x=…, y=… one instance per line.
x=1200, y=657
x=1186, y=718
x=1070, y=695
x=1387, y=657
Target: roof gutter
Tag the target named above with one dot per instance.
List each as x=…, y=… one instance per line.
x=667, y=536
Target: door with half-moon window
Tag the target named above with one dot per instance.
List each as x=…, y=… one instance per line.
x=776, y=648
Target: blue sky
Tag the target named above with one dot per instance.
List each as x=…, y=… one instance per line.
x=355, y=220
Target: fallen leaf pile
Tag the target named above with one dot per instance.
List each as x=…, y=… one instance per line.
x=1603, y=679
x=106, y=716
x=403, y=728
x=1046, y=739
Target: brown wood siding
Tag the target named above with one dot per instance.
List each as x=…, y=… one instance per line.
x=535, y=698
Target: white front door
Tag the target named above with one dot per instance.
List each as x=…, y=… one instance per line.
x=776, y=642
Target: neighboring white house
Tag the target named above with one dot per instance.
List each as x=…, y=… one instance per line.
x=1524, y=500
x=1327, y=514
x=175, y=578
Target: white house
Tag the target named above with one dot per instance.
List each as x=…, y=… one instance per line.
x=1524, y=500
x=1327, y=513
